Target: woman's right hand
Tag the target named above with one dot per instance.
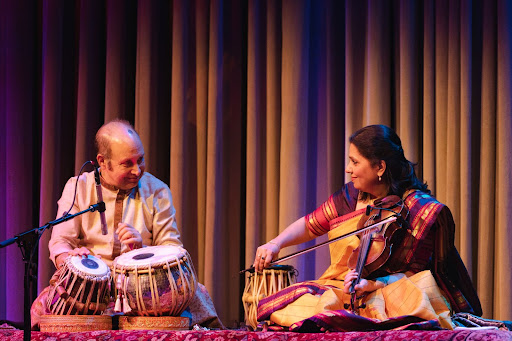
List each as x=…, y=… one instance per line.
x=265, y=254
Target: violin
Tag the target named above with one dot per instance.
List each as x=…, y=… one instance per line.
x=376, y=246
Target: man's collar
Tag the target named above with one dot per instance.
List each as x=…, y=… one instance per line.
x=113, y=188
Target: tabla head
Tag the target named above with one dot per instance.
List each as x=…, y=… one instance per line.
x=150, y=255
x=90, y=265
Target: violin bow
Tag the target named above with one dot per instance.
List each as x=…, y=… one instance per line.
x=350, y=234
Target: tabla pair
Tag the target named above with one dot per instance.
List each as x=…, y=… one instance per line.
x=156, y=281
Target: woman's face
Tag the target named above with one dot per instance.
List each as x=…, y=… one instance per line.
x=365, y=176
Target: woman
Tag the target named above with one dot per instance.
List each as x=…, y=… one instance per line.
x=424, y=278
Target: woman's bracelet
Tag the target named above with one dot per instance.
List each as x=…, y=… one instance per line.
x=271, y=242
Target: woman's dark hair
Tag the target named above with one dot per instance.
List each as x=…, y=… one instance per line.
x=379, y=142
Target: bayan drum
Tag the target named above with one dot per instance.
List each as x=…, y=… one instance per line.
x=259, y=285
x=154, y=281
x=82, y=288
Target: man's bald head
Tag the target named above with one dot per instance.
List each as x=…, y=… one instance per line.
x=120, y=155
x=114, y=131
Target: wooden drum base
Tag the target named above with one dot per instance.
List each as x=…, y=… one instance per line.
x=154, y=322
x=75, y=323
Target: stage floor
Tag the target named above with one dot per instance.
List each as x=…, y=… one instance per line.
x=220, y=335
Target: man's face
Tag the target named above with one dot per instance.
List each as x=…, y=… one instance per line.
x=126, y=165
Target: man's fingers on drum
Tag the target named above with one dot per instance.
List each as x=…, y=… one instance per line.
x=131, y=242
x=121, y=231
x=125, y=228
x=82, y=251
x=125, y=235
x=129, y=234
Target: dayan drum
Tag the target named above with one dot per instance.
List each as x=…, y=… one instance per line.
x=154, y=281
x=82, y=288
x=259, y=285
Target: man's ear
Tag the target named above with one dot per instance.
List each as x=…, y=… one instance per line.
x=101, y=160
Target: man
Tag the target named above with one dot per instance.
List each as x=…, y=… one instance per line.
x=139, y=212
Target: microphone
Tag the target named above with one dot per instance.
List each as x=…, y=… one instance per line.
x=104, y=229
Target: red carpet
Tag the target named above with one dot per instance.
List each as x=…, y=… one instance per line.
x=220, y=335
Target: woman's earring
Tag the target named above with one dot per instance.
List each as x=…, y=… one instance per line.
x=380, y=178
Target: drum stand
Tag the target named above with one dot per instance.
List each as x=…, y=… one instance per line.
x=27, y=242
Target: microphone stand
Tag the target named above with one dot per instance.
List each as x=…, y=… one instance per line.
x=27, y=242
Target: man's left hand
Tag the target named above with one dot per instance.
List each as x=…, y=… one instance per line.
x=128, y=235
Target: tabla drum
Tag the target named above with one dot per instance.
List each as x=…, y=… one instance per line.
x=82, y=288
x=154, y=281
x=259, y=285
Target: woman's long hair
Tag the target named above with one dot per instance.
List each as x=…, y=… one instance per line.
x=379, y=142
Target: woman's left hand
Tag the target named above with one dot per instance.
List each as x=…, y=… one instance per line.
x=362, y=287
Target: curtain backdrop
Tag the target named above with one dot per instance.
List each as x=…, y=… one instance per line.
x=245, y=108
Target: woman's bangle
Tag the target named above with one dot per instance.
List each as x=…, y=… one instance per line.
x=271, y=242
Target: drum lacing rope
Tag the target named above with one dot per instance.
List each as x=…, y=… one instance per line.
x=68, y=289
x=192, y=271
x=80, y=293
x=256, y=288
x=190, y=283
x=179, y=306
x=173, y=286
x=89, y=298
x=141, y=307
x=153, y=288
x=63, y=280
